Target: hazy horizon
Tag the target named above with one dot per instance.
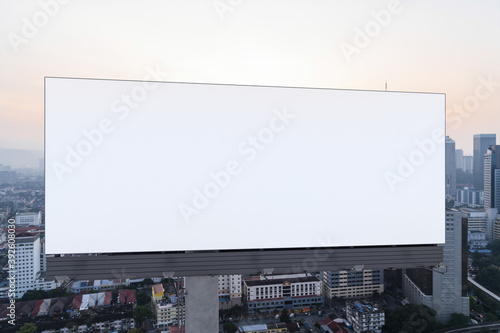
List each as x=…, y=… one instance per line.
x=426, y=46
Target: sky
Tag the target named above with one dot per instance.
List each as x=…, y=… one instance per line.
x=450, y=47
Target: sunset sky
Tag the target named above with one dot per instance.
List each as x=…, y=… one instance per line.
x=450, y=47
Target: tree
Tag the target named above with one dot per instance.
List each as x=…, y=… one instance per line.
x=494, y=246
x=27, y=328
x=229, y=327
x=285, y=317
x=32, y=295
x=142, y=312
x=489, y=278
x=490, y=317
x=136, y=330
x=58, y=292
x=459, y=319
x=411, y=318
x=148, y=282
x=236, y=311
x=143, y=299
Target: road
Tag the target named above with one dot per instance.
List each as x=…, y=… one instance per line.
x=484, y=289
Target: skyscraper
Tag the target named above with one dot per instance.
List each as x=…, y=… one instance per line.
x=492, y=177
x=481, y=144
x=467, y=163
x=459, y=158
x=444, y=290
x=450, y=168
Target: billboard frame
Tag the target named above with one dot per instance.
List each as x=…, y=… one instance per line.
x=244, y=261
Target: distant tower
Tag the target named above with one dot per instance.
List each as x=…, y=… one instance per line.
x=386, y=85
x=443, y=290
x=492, y=177
x=481, y=144
x=450, y=168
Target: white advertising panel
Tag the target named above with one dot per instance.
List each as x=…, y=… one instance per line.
x=137, y=166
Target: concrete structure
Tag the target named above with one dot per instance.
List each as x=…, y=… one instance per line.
x=450, y=168
x=202, y=304
x=449, y=288
x=28, y=257
x=459, y=158
x=477, y=219
x=481, y=144
x=496, y=229
x=492, y=178
x=365, y=317
x=467, y=163
x=492, y=214
x=278, y=294
x=476, y=239
x=352, y=283
x=26, y=219
x=413, y=291
x=470, y=196
x=462, y=161
x=447, y=284
x=157, y=292
x=230, y=290
x=169, y=311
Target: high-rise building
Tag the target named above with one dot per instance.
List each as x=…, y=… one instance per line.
x=26, y=219
x=477, y=219
x=462, y=161
x=492, y=214
x=459, y=158
x=467, y=163
x=29, y=257
x=352, y=283
x=7, y=177
x=470, y=196
x=448, y=283
x=492, y=177
x=450, y=168
x=481, y=144
x=496, y=229
x=230, y=292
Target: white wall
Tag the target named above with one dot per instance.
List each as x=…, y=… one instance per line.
x=126, y=163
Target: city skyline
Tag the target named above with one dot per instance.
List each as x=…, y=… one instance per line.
x=419, y=47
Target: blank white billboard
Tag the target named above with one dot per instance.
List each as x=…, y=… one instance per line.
x=137, y=166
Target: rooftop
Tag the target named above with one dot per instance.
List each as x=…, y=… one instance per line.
x=366, y=308
x=251, y=328
x=281, y=281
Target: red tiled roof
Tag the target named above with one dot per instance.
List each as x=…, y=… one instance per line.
x=126, y=296
x=36, y=307
x=335, y=327
x=77, y=301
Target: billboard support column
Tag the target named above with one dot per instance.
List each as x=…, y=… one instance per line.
x=202, y=304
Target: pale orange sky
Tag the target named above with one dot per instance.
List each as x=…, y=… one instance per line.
x=429, y=46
